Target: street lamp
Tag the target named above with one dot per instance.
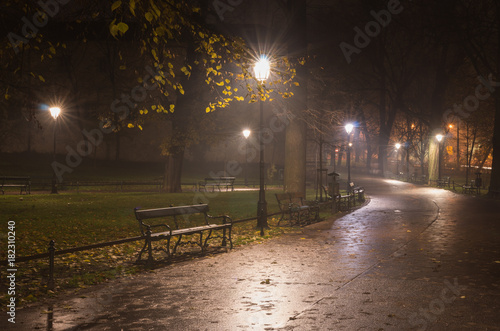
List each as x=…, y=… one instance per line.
x=246, y=134
x=54, y=112
x=398, y=146
x=262, y=70
x=439, y=138
x=348, y=128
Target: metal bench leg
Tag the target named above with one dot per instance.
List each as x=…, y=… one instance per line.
x=224, y=237
x=281, y=218
x=205, y=245
x=139, y=257
x=230, y=238
x=177, y=244
x=150, y=248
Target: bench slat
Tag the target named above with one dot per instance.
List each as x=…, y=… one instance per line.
x=186, y=231
x=170, y=211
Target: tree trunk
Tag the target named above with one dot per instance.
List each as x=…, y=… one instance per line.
x=296, y=133
x=369, y=154
x=433, y=158
x=383, y=142
x=295, y=157
x=173, y=172
x=383, y=137
x=494, y=189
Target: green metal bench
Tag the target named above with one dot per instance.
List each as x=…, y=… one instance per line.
x=217, y=182
x=177, y=222
x=295, y=209
x=24, y=183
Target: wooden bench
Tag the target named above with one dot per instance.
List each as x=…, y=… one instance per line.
x=217, y=182
x=444, y=182
x=358, y=191
x=181, y=220
x=344, y=202
x=295, y=209
x=418, y=179
x=24, y=183
x=470, y=189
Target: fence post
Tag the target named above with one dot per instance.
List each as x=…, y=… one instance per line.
x=150, y=248
x=52, y=251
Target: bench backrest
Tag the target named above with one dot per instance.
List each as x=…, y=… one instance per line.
x=297, y=198
x=283, y=200
x=173, y=214
x=14, y=178
x=220, y=179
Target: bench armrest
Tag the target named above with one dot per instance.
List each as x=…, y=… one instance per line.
x=149, y=226
x=225, y=219
x=293, y=205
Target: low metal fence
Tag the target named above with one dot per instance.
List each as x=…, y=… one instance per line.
x=52, y=252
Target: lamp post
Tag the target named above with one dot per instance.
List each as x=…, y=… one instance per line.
x=398, y=146
x=246, y=134
x=54, y=112
x=262, y=69
x=348, y=129
x=407, y=145
x=439, y=138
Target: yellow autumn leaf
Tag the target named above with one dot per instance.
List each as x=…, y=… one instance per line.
x=132, y=7
x=116, y=5
x=130, y=125
x=122, y=27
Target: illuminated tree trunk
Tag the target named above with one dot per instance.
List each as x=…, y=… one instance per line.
x=295, y=139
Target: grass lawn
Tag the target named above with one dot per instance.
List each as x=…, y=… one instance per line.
x=85, y=218
x=103, y=214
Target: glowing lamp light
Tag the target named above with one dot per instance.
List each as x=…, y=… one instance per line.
x=246, y=133
x=262, y=69
x=348, y=128
x=439, y=137
x=55, y=111
x=398, y=146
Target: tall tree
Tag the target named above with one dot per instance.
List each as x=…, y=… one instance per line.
x=295, y=139
x=480, y=30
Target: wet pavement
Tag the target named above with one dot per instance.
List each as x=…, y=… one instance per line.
x=413, y=258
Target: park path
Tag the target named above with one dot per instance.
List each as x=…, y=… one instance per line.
x=414, y=258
